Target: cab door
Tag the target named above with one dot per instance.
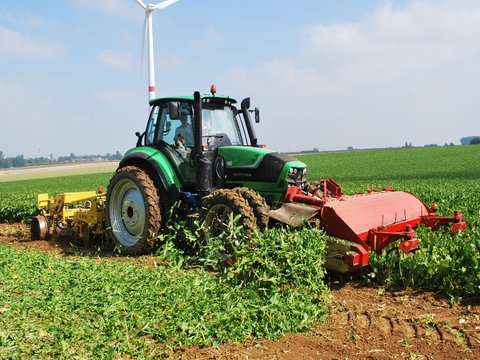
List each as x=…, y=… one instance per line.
x=160, y=133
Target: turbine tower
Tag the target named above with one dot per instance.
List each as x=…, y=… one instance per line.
x=148, y=31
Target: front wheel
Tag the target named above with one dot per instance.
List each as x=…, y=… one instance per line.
x=132, y=210
x=258, y=205
x=228, y=218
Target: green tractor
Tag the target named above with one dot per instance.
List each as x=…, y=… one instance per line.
x=200, y=156
x=200, y=152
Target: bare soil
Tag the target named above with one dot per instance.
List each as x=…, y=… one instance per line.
x=364, y=323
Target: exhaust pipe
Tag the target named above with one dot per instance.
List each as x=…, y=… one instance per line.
x=245, y=105
x=203, y=162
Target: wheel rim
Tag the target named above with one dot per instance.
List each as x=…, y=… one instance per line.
x=220, y=223
x=39, y=228
x=127, y=212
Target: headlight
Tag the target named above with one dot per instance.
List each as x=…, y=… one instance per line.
x=294, y=173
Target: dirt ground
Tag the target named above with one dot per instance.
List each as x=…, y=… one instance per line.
x=364, y=323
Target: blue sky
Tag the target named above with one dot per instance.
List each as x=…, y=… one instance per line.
x=325, y=74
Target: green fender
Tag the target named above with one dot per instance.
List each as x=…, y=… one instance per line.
x=156, y=159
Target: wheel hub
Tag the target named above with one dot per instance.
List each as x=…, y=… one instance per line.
x=133, y=211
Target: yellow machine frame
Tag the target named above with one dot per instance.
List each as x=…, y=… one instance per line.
x=81, y=212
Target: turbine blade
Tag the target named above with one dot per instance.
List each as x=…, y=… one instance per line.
x=142, y=4
x=145, y=29
x=163, y=4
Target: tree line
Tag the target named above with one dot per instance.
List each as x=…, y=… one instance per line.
x=20, y=160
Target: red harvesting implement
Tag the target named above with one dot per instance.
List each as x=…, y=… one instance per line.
x=365, y=222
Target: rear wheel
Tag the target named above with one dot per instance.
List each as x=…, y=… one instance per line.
x=132, y=210
x=223, y=212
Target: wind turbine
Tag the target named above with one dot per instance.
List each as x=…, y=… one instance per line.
x=148, y=31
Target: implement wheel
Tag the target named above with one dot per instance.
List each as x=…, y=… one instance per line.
x=220, y=210
x=39, y=228
x=132, y=210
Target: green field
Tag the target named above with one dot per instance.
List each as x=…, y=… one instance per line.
x=54, y=171
x=53, y=306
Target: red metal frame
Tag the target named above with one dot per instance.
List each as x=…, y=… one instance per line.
x=434, y=222
x=381, y=237
x=375, y=238
x=358, y=260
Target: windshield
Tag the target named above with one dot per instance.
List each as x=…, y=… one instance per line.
x=220, y=128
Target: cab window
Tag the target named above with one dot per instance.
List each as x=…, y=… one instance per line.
x=151, y=126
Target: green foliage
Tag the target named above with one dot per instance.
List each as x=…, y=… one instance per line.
x=56, y=307
x=446, y=262
x=276, y=258
x=18, y=200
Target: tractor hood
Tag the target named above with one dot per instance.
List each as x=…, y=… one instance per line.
x=245, y=163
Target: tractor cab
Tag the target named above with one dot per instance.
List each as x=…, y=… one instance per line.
x=190, y=133
x=174, y=117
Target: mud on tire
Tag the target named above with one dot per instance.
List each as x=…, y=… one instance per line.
x=258, y=205
x=132, y=210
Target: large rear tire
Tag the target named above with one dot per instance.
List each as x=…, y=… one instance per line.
x=219, y=211
x=132, y=210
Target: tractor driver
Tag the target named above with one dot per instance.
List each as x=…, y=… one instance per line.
x=185, y=129
x=183, y=150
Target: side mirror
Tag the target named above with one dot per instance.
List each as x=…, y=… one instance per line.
x=140, y=137
x=257, y=115
x=173, y=110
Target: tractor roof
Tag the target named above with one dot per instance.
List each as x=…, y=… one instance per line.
x=213, y=99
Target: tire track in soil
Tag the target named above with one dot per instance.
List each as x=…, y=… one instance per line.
x=404, y=327
x=365, y=325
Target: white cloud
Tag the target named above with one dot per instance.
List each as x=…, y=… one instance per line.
x=6, y=16
x=398, y=74
x=172, y=61
x=116, y=7
x=114, y=97
x=115, y=60
x=24, y=128
x=423, y=34
x=27, y=19
x=19, y=46
x=213, y=36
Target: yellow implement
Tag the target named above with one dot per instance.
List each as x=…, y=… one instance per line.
x=78, y=214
